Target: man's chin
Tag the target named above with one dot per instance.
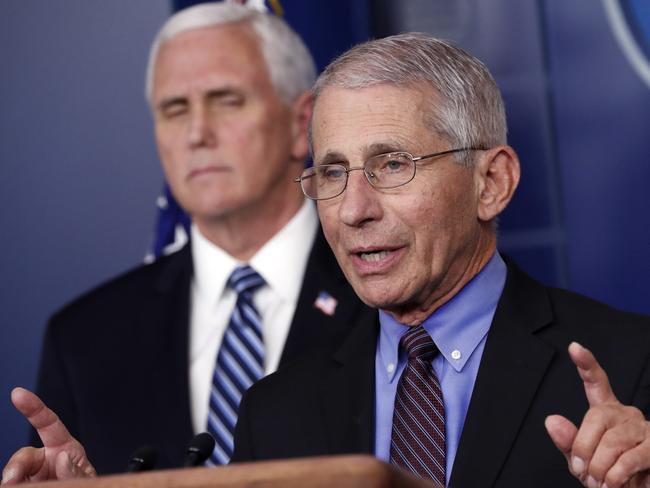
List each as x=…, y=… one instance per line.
x=376, y=298
x=215, y=209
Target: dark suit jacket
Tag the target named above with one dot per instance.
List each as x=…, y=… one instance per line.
x=115, y=368
x=326, y=404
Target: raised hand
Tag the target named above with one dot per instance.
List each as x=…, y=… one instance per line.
x=61, y=457
x=611, y=448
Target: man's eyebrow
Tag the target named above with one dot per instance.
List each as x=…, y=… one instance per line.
x=332, y=157
x=382, y=148
x=223, y=91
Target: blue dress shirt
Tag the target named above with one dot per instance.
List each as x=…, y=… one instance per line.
x=459, y=329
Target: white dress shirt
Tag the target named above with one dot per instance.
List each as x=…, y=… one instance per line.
x=281, y=262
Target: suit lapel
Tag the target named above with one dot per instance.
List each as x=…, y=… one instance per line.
x=348, y=391
x=312, y=327
x=514, y=363
x=164, y=341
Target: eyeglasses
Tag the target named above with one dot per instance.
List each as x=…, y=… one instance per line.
x=384, y=171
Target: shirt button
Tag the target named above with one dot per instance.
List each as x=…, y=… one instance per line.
x=390, y=368
x=455, y=354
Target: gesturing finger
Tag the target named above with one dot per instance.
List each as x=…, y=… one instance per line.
x=50, y=429
x=596, y=383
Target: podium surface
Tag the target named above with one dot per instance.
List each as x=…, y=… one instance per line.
x=319, y=472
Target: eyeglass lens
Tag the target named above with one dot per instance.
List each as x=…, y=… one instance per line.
x=382, y=171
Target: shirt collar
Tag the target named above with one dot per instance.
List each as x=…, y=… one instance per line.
x=288, y=250
x=290, y=246
x=458, y=326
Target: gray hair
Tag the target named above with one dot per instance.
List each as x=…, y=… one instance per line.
x=291, y=66
x=468, y=111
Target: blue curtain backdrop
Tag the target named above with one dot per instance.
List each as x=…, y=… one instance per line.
x=79, y=174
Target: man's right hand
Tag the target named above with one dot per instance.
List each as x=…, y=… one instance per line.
x=61, y=457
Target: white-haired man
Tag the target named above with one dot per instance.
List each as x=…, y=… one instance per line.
x=141, y=360
x=461, y=377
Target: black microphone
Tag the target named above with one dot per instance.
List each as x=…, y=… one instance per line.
x=143, y=459
x=199, y=450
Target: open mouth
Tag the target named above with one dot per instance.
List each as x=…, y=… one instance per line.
x=377, y=260
x=373, y=256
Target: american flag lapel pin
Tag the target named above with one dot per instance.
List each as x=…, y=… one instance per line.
x=326, y=303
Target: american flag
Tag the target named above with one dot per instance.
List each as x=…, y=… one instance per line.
x=326, y=303
x=172, y=227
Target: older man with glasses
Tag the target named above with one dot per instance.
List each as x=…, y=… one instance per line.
x=464, y=373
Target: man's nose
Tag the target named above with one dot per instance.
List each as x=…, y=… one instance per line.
x=200, y=130
x=360, y=202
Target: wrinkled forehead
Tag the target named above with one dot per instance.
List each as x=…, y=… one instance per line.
x=237, y=40
x=208, y=58
x=348, y=119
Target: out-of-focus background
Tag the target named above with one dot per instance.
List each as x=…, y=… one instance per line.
x=79, y=173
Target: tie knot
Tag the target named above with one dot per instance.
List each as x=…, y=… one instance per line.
x=245, y=279
x=418, y=344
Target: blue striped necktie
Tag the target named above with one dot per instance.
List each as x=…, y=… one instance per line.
x=418, y=438
x=240, y=363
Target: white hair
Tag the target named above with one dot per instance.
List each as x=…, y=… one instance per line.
x=468, y=110
x=291, y=66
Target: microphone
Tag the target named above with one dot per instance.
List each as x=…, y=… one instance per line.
x=199, y=450
x=143, y=459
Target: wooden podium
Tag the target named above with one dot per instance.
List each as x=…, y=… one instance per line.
x=322, y=472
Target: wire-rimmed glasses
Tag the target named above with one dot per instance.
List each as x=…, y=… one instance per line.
x=388, y=170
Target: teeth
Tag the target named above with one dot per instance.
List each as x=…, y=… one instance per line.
x=373, y=257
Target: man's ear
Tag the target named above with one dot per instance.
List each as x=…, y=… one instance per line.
x=497, y=172
x=301, y=110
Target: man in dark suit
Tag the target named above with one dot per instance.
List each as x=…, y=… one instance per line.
x=131, y=362
x=461, y=376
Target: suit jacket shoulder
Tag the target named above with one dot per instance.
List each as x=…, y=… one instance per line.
x=132, y=285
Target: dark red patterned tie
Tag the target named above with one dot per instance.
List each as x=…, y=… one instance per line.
x=418, y=438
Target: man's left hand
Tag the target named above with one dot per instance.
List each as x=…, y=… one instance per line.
x=611, y=449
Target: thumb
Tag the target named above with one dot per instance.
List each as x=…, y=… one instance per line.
x=64, y=469
x=562, y=432
x=65, y=466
